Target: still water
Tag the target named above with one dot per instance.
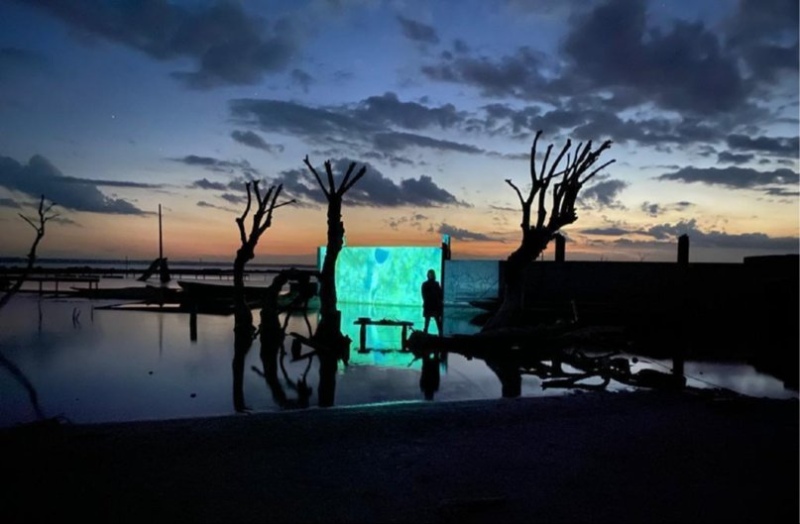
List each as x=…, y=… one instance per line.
x=89, y=365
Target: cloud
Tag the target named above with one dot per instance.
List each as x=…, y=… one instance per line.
x=251, y=139
x=374, y=189
x=655, y=210
x=720, y=239
x=682, y=67
x=203, y=203
x=207, y=184
x=779, y=146
x=605, y=231
x=388, y=110
x=234, y=199
x=764, y=33
x=217, y=165
x=417, y=31
x=603, y=194
x=40, y=177
x=396, y=141
x=733, y=177
x=458, y=233
x=781, y=192
x=367, y=126
x=726, y=157
x=296, y=119
x=10, y=202
x=517, y=75
x=226, y=45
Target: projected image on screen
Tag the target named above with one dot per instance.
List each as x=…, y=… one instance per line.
x=383, y=275
x=382, y=283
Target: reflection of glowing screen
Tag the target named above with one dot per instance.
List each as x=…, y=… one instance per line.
x=383, y=275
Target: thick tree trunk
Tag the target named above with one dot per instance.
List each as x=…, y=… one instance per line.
x=510, y=312
x=243, y=327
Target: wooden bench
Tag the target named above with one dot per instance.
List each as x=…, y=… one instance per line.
x=365, y=321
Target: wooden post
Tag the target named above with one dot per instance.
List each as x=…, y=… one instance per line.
x=679, y=358
x=560, y=242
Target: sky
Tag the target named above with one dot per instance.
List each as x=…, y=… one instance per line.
x=111, y=109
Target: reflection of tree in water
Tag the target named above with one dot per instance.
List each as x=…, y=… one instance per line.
x=562, y=356
x=272, y=334
x=45, y=214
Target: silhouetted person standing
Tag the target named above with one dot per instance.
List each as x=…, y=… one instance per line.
x=432, y=301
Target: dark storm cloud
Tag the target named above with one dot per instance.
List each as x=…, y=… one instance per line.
x=217, y=165
x=251, y=139
x=228, y=46
x=733, y=177
x=40, y=177
x=374, y=189
x=458, y=233
x=207, y=184
x=603, y=194
x=417, y=31
x=779, y=146
x=726, y=157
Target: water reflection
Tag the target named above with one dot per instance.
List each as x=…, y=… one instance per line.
x=134, y=365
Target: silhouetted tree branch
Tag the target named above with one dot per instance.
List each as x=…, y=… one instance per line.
x=329, y=333
x=244, y=330
x=44, y=215
x=537, y=232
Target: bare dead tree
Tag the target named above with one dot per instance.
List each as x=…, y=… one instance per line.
x=44, y=215
x=244, y=330
x=329, y=333
x=538, y=230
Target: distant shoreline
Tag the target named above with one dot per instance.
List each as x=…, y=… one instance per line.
x=8, y=264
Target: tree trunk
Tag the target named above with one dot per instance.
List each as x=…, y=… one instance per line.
x=510, y=313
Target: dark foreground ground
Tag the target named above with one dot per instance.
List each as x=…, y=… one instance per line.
x=624, y=457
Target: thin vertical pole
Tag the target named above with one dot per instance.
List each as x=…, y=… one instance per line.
x=160, y=239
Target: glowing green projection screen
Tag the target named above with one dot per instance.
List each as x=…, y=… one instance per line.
x=383, y=275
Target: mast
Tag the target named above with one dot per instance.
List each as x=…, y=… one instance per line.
x=160, y=238
x=162, y=262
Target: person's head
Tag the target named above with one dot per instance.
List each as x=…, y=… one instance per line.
x=431, y=274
